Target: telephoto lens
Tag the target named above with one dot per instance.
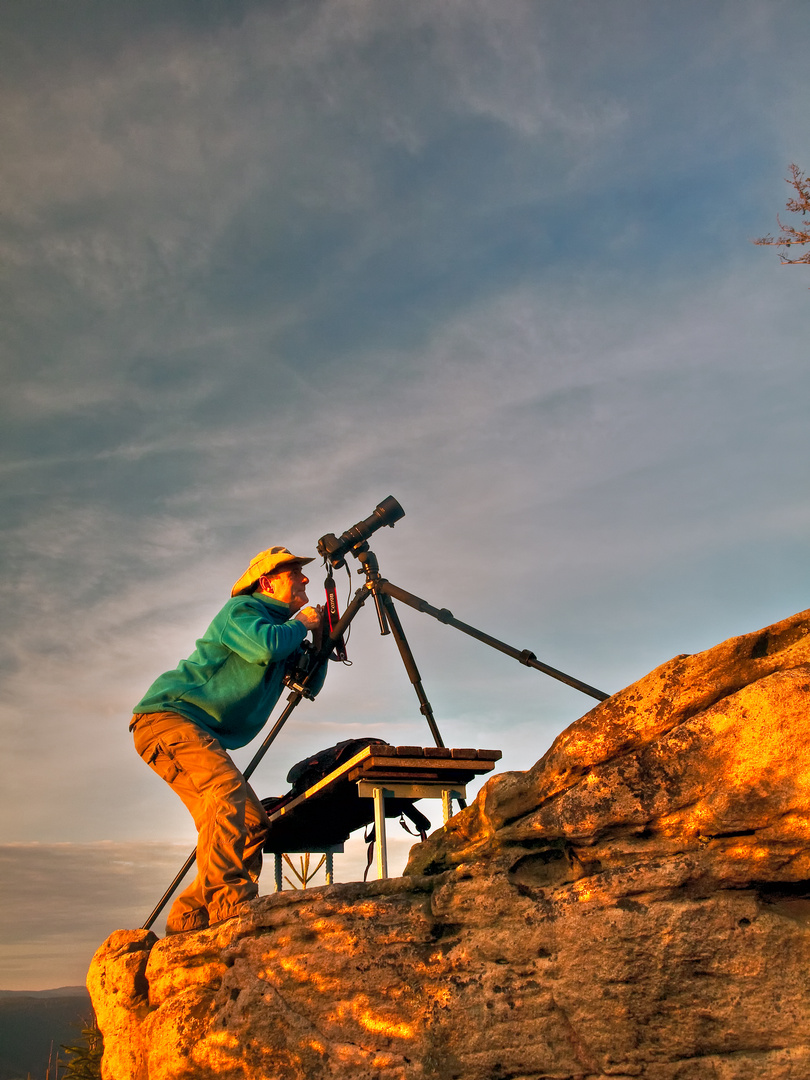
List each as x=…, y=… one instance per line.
x=334, y=548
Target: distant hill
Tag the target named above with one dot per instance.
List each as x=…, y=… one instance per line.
x=61, y=991
x=31, y=1022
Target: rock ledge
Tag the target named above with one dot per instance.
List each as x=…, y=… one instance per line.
x=637, y=904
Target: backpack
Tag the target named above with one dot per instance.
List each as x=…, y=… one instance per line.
x=311, y=769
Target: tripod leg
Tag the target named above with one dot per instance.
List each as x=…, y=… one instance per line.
x=413, y=672
x=525, y=656
x=410, y=666
x=161, y=904
x=345, y=620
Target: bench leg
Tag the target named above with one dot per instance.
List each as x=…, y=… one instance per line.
x=279, y=881
x=379, y=829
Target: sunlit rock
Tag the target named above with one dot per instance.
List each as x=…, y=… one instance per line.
x=635, y=905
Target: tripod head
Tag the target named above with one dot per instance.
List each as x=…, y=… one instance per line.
x=335, y=548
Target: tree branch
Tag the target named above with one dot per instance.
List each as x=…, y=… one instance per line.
x=791, y=236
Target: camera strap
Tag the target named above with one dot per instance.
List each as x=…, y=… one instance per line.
x=333, y=615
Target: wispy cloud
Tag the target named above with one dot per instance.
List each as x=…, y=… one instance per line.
x=58, y=902
x=265, y=265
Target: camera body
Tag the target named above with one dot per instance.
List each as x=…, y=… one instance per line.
x=301, y=665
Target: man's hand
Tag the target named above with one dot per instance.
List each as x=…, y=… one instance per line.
x=310, y=617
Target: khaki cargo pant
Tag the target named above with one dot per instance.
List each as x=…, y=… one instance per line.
x=230, y=820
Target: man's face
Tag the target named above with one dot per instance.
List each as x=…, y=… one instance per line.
x=288, y=586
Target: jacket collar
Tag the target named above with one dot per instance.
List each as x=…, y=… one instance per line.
x=275, y=606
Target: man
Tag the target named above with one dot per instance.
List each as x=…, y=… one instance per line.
x=216, y=700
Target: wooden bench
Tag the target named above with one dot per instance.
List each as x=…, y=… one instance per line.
x=374, y=784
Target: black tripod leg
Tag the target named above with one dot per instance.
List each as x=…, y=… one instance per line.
x=410, y=666
x=413, y=672
x=343, y=623
x=163, y=901
x=525, y=656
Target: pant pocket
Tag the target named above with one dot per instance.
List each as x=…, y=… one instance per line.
x=163, y=763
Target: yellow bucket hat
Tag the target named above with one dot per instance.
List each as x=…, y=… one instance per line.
x=266, y=562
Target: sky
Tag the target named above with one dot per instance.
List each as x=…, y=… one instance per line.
x=267, y=263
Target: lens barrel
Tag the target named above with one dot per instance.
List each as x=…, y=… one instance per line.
x=334, y=548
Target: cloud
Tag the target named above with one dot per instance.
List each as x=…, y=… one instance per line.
x=59, y=902
x=524, y=421
x=268, y=264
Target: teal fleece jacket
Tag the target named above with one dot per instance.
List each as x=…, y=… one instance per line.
x=233, y=679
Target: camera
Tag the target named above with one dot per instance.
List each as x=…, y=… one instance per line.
x=334, y=548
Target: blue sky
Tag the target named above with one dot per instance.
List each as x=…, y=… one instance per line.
x=264, y=264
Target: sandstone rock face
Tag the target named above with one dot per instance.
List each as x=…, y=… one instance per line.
x=635, y=905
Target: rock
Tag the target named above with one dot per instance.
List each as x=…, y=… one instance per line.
x=118, y=988
x=695, y=723
x=635, y=905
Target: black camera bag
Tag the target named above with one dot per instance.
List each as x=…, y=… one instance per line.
x=311, y=769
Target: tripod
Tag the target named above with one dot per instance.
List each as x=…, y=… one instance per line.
x=384, y=593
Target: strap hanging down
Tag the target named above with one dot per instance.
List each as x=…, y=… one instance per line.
x=417, y=817
x=333, y=615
